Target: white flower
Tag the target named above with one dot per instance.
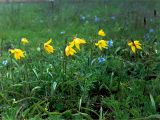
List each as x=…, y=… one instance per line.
x=38, y=49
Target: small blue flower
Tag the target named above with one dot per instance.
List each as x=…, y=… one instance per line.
x=101, y=60
x=96, y=19
x=4, y=62
x=110, y=43
x=151, y=20
x=146, y=36
x=151, y=30
x=113, y=17
x=131, y=63
x=82, y=18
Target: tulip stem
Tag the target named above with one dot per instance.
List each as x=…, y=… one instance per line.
x=11, y=74
x=64, y=62
x=120, y=77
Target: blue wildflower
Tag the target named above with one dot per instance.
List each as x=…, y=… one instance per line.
x=4, y=62
x=113, y=17
x=101, y=60
x=96, y=19
x=146, y=36
x=151, y=30
x=82, y=18
x=110, y=43
x=151, y=20
x=131, y=63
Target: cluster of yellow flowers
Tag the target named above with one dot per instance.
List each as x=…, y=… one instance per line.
x=102, y=43
x=18, y=53
x=135, y=45
x=70, y=50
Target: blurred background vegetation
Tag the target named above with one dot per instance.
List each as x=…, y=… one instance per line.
x=125, y=87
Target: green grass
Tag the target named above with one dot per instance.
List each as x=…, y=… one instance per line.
x=43, y=86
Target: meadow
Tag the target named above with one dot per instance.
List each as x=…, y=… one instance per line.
x=80, y=59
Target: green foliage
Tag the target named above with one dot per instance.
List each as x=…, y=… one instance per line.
x=54, y=86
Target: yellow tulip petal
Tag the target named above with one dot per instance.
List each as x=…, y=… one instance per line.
x=82, y=41
x=24, y=41
x=69, y=51
x=49, y=49
x=71, y=43
x=96, y=44
x=48, y=42
x=101, y=33
x=133, y=48
x=77, y=46
x=138, y=47
x=136, y=42
x=77, y=42
x=12, y=51
x=100, y=47
x=130, y=43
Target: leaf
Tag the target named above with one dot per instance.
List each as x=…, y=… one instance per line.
x=101, y=114
x=152, y=102
x=17, y=85
x=49, y=72
x=35, y=88
x=117, y=50
x=53, y=88
x=80, y=103
x=93, y=61
x=3, y=97
x=111, y=81
x=90, y=110
x=151, y=117
x=15, y=62
x=35, y=72
x=54, y=85
x=87, y=116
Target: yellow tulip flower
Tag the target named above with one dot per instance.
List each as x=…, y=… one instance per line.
x=18, y=53
x=69, y=50
x=48, y=48
x=24, y=41
x=134, y=45
x=76, y=42
x=101, y=33
x=102, y=44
